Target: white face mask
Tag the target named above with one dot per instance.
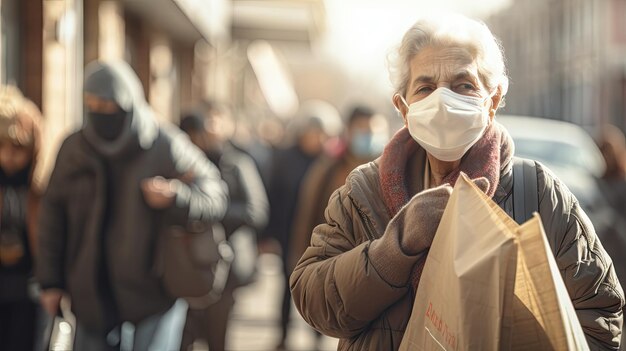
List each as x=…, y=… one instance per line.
x=447, y=124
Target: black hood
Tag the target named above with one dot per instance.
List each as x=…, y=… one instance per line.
x=118, y=82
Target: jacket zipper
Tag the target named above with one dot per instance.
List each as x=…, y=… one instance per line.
x=369, y=227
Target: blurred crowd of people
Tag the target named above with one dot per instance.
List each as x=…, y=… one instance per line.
x=89, y=233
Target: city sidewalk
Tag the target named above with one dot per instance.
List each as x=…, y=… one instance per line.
x=255, y=321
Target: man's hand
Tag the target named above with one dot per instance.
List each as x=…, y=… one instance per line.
x=159, y=192
x=50, y=300
x=269, y=245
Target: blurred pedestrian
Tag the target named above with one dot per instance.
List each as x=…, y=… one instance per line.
x=314, y=124
x=357, y=279
x=612, y=144
x=613, y=186
x=364, y=139
x=268, y=137
x=20, y=142
x=247, y=212
x=117, y=183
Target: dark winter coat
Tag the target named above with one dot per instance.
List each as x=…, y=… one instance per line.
x=104, y=266
x=248, y=205
x=289, y=169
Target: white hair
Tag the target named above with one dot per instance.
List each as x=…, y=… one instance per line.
x=450, y=30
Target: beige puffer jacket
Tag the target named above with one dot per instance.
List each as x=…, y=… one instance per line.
x=351, y=285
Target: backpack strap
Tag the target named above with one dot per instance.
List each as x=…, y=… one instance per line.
x=525, y=197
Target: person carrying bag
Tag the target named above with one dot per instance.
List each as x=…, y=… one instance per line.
x=489, y=283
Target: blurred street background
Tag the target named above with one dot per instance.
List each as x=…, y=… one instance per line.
x=254, y=323
x=565, y=58
x=266, y=59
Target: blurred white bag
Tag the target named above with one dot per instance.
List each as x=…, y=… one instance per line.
x=490, y=284
x=244, y=243
x=61, y=329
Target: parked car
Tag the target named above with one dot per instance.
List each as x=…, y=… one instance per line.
x=566, y=149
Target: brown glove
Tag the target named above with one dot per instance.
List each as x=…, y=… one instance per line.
x=423, y=214
x=483, y=184
x=409, y=234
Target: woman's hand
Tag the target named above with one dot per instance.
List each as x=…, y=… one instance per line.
x=422, y=216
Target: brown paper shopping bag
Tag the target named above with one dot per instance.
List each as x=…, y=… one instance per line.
x=490, y=284
x=543, y=315
x=468, y=277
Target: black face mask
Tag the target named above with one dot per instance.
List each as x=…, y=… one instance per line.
x=108, y=126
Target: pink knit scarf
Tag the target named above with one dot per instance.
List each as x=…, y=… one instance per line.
x=484, y=159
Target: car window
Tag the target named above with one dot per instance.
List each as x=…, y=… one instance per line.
x=550, y=152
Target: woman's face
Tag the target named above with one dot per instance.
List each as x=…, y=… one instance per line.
x=449, y=67
x=13, y=158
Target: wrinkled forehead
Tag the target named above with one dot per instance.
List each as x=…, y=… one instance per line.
x=443, y=64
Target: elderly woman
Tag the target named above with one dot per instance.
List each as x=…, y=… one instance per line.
x=357, y=279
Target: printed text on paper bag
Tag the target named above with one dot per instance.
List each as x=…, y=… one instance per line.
x=441, y=326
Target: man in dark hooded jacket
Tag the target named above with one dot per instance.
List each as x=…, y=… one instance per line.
x=117, y=183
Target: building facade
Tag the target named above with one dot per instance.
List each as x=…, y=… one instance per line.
x=565, y=59
x=170, y=43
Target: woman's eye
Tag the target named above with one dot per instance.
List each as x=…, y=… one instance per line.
x=423, y=90
x=466, y=87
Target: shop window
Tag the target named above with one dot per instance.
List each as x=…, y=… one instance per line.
x=10, y=69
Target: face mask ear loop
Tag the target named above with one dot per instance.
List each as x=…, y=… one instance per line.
x=491, y=95
x=489, y=98
x=403, y=101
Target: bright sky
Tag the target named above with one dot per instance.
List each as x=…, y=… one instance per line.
x=361, y=33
